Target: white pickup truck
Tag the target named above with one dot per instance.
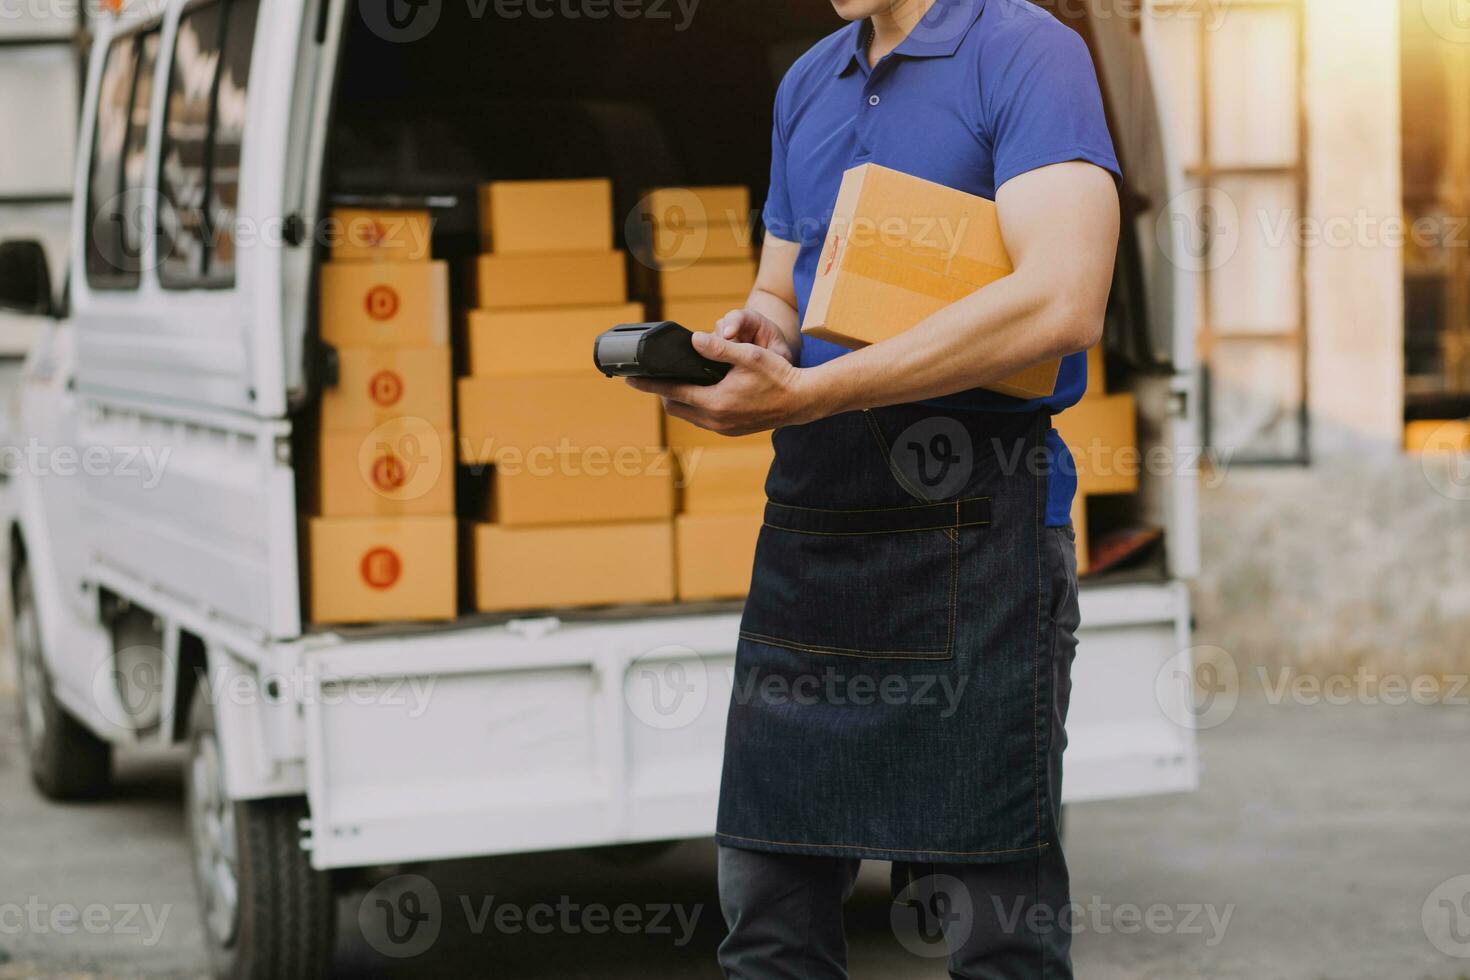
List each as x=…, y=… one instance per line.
x=155, y=561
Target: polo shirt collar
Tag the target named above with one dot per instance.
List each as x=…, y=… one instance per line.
x=938, y=35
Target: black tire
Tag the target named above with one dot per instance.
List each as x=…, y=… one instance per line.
x=282, y=925
x=67, y=762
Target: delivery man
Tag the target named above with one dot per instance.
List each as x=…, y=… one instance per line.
x=903, y=669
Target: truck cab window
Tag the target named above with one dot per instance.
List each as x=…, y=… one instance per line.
x=199, y=175
x=114, y=206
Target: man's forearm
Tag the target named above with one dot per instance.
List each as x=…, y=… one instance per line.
x=1004, y=328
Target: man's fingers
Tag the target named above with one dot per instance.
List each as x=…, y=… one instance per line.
x=738, y=325
x=730, y=352
x=688, y=413
x=674, y=391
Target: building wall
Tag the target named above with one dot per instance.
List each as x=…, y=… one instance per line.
x=1358, y=560
x=40, y=82
x=1355, y=296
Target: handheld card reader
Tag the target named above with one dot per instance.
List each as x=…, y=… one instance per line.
x=663, y=350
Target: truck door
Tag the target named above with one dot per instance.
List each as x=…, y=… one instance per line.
x=180, y=247
x=1153, y=316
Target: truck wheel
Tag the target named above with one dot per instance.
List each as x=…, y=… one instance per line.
x=267, y=912
x=67, y=761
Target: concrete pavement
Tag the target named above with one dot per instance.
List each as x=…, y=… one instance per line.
x=1319, y=837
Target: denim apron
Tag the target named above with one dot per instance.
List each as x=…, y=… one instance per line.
x=892, y=685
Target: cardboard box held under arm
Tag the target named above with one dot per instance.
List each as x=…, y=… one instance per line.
x=900, y=249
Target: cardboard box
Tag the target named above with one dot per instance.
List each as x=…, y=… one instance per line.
x=900, y=249
x=570, y=279
x=363, y=235
x=715, y=553
x=1437, y=436
x=1079, y=527
x=525, y=216
x=703, y=279
x=570, y=415
x=702, y=314
x=585, y=565
x=1097, y=382
x=723, y=480
x=627, y=485
x=370, y=570
x=684, y=206
x=682, y=436
x=404, y=466
x=676, y=246
x=541, y=341
x=385, y=304
x=1102, y=434
x=375, y=385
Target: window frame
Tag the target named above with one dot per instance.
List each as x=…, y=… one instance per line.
x=202, y=279
x=132, y=37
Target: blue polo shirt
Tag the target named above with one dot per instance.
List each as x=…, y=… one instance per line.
x=979, y=92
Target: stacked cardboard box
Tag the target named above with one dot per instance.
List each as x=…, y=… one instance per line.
x=722, y=503
x=580, y=491
x=381, y=535
x=1101, y=432
x=700, y=260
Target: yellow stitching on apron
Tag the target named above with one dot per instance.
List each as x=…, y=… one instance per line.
x=954, y=583
x=1035, y=662
x=772, y=641
x=946, y=528
x=903, y=481
x=885, y=850
x=874, y=510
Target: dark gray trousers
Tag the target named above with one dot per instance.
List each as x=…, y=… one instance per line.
x=1003, y=921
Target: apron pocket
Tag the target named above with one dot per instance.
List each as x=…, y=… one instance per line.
x=880, y=583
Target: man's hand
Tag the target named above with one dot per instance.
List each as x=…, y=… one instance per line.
x=763, y=390
x=747, y=326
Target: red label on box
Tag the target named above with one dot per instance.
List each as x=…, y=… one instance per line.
x=382, y=302
x=385, y=388
x=381, y=568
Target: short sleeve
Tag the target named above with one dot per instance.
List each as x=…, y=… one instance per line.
x=777, y=214
x=1042, y=104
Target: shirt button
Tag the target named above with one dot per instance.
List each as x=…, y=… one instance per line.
x=873, y=100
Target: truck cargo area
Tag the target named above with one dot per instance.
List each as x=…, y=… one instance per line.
x=485, y=98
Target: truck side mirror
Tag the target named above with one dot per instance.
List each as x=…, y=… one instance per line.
x=25, y=278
